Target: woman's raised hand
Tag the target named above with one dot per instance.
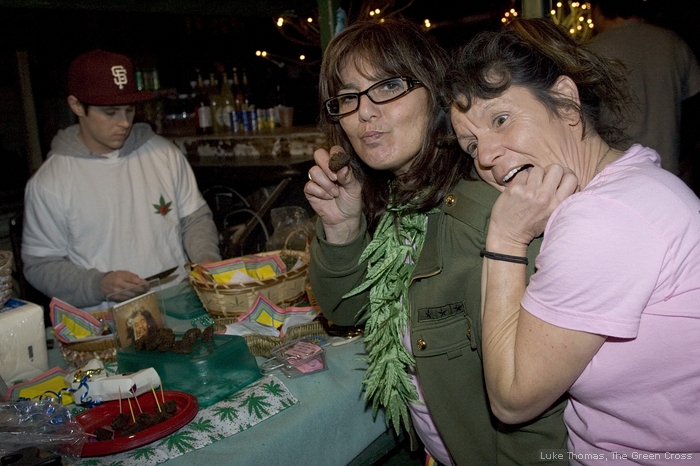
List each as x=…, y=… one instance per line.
x=336, y=198
x=521, y=212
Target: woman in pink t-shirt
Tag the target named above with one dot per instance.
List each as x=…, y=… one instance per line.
x=612, y=313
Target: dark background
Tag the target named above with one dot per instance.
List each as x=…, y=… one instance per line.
x=180, y=42
x=210, y=36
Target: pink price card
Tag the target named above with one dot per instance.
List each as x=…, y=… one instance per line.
x=316, y=364
x=302, y=350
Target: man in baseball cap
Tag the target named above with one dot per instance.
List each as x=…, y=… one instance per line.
x=114, y=202
x=104, y=78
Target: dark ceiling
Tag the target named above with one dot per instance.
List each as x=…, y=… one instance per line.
x=244, y=8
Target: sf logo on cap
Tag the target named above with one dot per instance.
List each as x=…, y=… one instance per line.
x=120, y=78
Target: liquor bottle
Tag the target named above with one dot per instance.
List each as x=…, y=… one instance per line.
x=198, y=88
x=238, y=93
x=213, y=85
x=202, y=113
x=214, y=101
x=226, y=105
x=247, y=94
x=139, y=81
x=203, y=118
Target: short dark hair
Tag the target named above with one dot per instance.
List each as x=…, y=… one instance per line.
x=534, y=53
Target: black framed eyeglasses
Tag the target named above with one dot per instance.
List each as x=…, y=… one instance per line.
x=383, y=92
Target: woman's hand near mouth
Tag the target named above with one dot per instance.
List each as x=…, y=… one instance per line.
x=523, y=209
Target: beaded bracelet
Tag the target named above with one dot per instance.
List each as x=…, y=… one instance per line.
x=504, y=257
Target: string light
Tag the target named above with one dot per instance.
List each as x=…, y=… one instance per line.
x=574, y=17
x=427, y=24
x=509, y=15
x=300, y=30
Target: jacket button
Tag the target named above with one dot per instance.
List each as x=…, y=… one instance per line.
x=422, y=344
x=469, y=332
x=450, y=200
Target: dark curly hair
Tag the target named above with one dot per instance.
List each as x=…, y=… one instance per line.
x=397, y=47
x=534, y=53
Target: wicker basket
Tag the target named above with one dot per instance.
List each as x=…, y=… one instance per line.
x=79, y=352
x=5, y=277
x=230, y=300
x=261, y=345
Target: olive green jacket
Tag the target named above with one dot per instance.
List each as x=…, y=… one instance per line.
x=445, y=324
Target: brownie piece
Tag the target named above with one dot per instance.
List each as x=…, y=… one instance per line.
x=103, y=434
x=338, y=160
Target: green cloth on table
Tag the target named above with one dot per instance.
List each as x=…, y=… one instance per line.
x=245, y=408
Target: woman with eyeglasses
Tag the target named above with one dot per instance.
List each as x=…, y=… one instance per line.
x=397, y=246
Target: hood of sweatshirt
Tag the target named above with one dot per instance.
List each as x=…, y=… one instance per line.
x=66, y=141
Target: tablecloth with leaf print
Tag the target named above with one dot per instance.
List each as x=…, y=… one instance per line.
x=245, y=408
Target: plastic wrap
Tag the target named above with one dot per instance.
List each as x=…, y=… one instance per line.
x=45, y=424
x=292, y=229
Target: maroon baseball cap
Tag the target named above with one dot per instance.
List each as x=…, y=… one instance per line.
x=104, y=78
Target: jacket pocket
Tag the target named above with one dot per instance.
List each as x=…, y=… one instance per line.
x=443, y=330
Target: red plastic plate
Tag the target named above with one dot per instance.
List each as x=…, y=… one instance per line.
x=102, y=415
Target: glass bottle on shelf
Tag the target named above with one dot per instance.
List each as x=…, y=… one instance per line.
x=203, y=118
x=199, y=88
x=238, y=94
x=214, y=100
x=202, y=113
x=247, y=94
x=226, y=105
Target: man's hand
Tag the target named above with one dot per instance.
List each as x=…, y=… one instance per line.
x=121, y=285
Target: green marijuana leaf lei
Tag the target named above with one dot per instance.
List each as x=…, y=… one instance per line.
x=391, y=257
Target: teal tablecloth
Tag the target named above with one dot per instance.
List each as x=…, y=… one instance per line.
x=328, y=426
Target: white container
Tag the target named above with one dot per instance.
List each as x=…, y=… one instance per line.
x=23, y=353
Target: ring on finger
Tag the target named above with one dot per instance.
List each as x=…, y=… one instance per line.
x=310, y=178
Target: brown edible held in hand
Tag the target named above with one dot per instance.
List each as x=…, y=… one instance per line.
x=338, y=160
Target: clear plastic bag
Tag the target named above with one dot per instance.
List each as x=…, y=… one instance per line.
x=292, y=229
x=45, y=424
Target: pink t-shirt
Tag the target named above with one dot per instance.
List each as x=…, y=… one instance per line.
x=622, y=259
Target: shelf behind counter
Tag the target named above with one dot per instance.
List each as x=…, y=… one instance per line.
x=268, y=168
x=266, y=148
x=248, y=160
